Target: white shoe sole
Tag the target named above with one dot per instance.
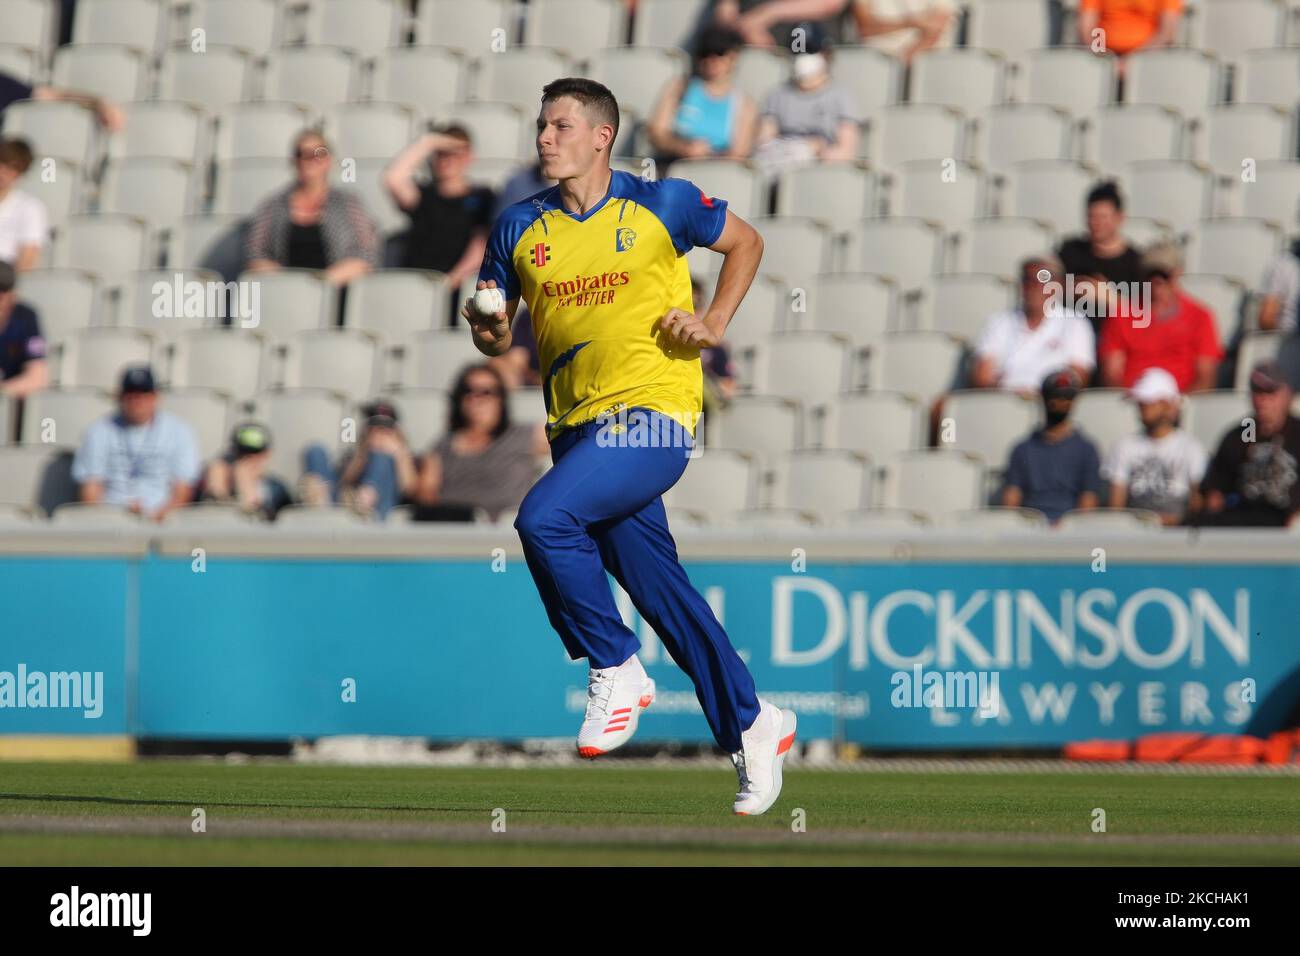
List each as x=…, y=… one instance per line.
x=784, y=742
x=624, y=734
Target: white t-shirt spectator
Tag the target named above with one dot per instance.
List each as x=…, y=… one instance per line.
x=1282, y=279
x=897, y=42
x=1024, y=356
x=1158, y=472
x=23, y=222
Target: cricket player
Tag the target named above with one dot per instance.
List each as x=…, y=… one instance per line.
x=600, y=259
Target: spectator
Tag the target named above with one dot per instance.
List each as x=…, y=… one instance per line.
x=1170, y=331
x=1128, y=25
x=484, y=460
x=310, y=225
x=904, y=28
x=1056, y=469
x=240, y=476
x=108, y=114
x=1160, y=468
x=450, y=216
x=22, y=349
x=769, y=23
x=810, y=117
x=1102, y=256
x=24, y=224
x=521, y=184
x=1017, y=348
x=1252, y=479
x=705, y=115
x=1280, y=292
x=719, y=371
x=374, y=479
x=142, y=457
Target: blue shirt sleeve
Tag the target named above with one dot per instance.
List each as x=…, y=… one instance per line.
x=693, y=218
x=91, y=460
x=1017, y=474
x=498, y=264
x=1092, y=469
x=183, y=457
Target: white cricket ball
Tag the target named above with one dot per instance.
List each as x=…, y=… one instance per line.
x=489, y=301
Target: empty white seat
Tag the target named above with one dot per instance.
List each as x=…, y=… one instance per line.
x=1185, y=80
x=665, y=22
x=1104, y=415
x=96, y=357
x=499, y=130
x=578, y=27
x=158, y=191
x=1141, y=231
x=903, y=134
x=923, y=364
x=731, y=179
x=106, y=246
x=639, y=74
x=1011, y=520
x=62, y=196
x=242, y=184
x=860, y=307
x=434, y=358
x=467, y=26
x=369, y=188
x=875, y=77
x=252, y=25
x=1223, y=295
x=809, y=366
x=512, y=76
x=1256, y=347
x=36, y=476
x=369, y=130
x=60, y=416
x=527, y=405
x=960, y=305
x=1051, y=191
x=342, y=360
x=217, y=77
x=1011, y=27
x=175, y=131
x=298, y=419
x=116, y=73
x=987, y=422
x=317, y=77
x=197, y=239
x=760, y=70
x=1233, y=247
x=167, y=302
x=878, y=423
x=291, y=301
x=965, y=78
x=65, y=300
x=1229, y=29
x=29, y=23
x=1246, y=133
x=1071, y=78
x=823, y=482
x=363, y=27
x=996, y=247
x=1208, y=416
x=1271, y=76
x=795, y=249
x=952, y=195
x=429, y=80
x=840, y=194
x=718, y=481
x=207, y=412
x=1128, y=134
x=1109, y=519
x=907, y=250
x=935, y=483
x=1176, y=192
x=1275, y=194
x=423, y=414
x=396, y=303
x=766, y=426
x=134, y=23
x=229, y=360
x=62, y=131
x=1020, y=132
x=764, y=310
x=260, y=131
x=885, y=519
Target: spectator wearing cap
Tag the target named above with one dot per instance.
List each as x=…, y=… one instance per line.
x=312, y=225
x=142, y=458
x=1019, y=347
x=1254, y=477
x=1056, y=469
x=1171, y=331
x=1280, y=292
x=240, y=476
x=1159, y=468
x=1126, y=26
x=705, y=115
x=811, y=117
x=24, y=223
x=23, y=367
x=372, y=480
x=484, y=460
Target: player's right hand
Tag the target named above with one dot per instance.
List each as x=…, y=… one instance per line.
x=490, y=330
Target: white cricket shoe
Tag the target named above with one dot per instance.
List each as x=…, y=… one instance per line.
x=615, y=698
x=758, y=765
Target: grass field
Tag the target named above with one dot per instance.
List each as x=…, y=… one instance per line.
x=622, y=813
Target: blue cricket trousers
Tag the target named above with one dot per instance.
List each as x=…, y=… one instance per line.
x=599, y=509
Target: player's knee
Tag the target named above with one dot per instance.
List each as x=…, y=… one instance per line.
x=539, y=521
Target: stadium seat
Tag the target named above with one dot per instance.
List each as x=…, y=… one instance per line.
x=795, y=249
x=157, y=191
x=527, y=405
x=1141, y=231
x=1184, y=80
x=960, y=305
x=987, y=423
x=37, y=476
x=922, y=364
x=734, y=180
x=759, y=71
x=95, y=517
x=1208, y=416
x=907, y=250
x=209, y=516
x=396, y=303
x=423, y=414
x=512, y=76
x=1229, y=29
x=1271, y=77
x=1020, y=132
x=1010, y=27
x=996, y=246
x=876, y=78
x=1255, y=347
x=1128, y=134
x=60, y=131
x=228, y=359
x=904, y=134
x=811, y=367
x=369, y=130
x=30, y=23
x=342, y=360
x=766, y=519
x=243, y=184
x=1238, y=248
x=364, y=28
x=578, y=28
x=717, y=482
x=885, y=519
x=766, y=426
x=1176, y=192
x=1070, y=78
x=1052, y=192
x=216, y=78
x=434, y=358
x=877, y=423
x=368, y=184
x=65, y=300
x=23, y=63
x=1246, y=132
x=297, y=419
x=862, y=308
x=205, y=410
x=499, y=130
x=427, y=79
x=934, y=482
x=638, y=74
x=764, y=310
x=109, y=247
x=1224, y=296
x=163, y=313
x=198, y=241
x=260, y=131
x=175, y=131
x=468, y=27
x=952, y=195
x=967, y=79
x=1275, y=194
x=1010, y=520
x=116, y=73
x=135, y=23
x=60, y=416
x=291, y=301
x=667, y=23
x=1104, y=416
x=62, y=196
x=822, y=482
x=316, y=77
x=96, y=357
x=252, y=25
x=1109, y=519
x=840, y=194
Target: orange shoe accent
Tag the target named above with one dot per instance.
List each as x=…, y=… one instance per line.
x=646, y=700
x=590, y=752
x=740, y=813
x=784, y=745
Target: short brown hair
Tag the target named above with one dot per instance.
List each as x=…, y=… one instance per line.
x=16, y=154
x=595, y=98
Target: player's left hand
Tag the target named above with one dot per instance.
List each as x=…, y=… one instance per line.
x=682, y=328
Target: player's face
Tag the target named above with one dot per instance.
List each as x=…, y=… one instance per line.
x=566, y=140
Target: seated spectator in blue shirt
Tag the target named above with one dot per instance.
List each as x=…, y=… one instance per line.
x=240, y=476
x=1056, y=469
x=22, y=349
x=140, y=457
